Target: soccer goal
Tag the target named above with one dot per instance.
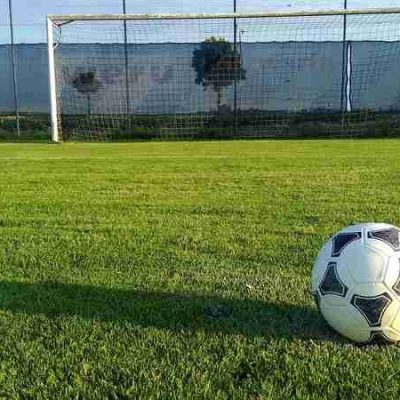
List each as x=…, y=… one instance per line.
x=298, y=74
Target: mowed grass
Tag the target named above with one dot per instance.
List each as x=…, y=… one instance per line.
x=182, y=270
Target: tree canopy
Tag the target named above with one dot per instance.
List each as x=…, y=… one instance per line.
x=87, y=84
x=217, y=65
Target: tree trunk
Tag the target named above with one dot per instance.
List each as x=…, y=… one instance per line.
x=89, y=110
x=219, y=99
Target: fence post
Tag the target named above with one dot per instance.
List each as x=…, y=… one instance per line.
x=344, y=68
x=235, y=89
x=127, y=89
x=14, y=67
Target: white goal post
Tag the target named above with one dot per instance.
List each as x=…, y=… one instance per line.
x=59, y=21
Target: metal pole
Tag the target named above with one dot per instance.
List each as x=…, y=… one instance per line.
x=235, y=90
x=128, y=105
x=230, y=16
x=52, y=82
x=344, y=67
x=14, y=67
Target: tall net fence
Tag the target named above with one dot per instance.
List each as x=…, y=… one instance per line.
x=30, y=66
x=293, y=76
x=364, y=97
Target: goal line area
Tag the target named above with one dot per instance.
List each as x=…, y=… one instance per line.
x=299, y=74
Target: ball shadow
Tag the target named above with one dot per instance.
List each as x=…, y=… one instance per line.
x=170, y=311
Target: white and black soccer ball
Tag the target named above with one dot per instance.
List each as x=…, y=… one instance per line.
x=356, y=283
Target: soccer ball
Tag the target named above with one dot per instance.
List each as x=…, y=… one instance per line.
x=356, y=283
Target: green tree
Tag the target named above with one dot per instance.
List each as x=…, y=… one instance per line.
x=217, y=65
x=87, y=84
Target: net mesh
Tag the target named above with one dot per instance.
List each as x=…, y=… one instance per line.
x=217, y=78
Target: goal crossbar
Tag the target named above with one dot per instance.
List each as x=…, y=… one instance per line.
x=282, y=14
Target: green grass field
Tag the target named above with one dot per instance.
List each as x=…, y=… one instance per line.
x=182, y=270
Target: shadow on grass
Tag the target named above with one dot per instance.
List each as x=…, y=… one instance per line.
x=175, y=312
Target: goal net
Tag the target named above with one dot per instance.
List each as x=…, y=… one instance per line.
x=302, y=74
